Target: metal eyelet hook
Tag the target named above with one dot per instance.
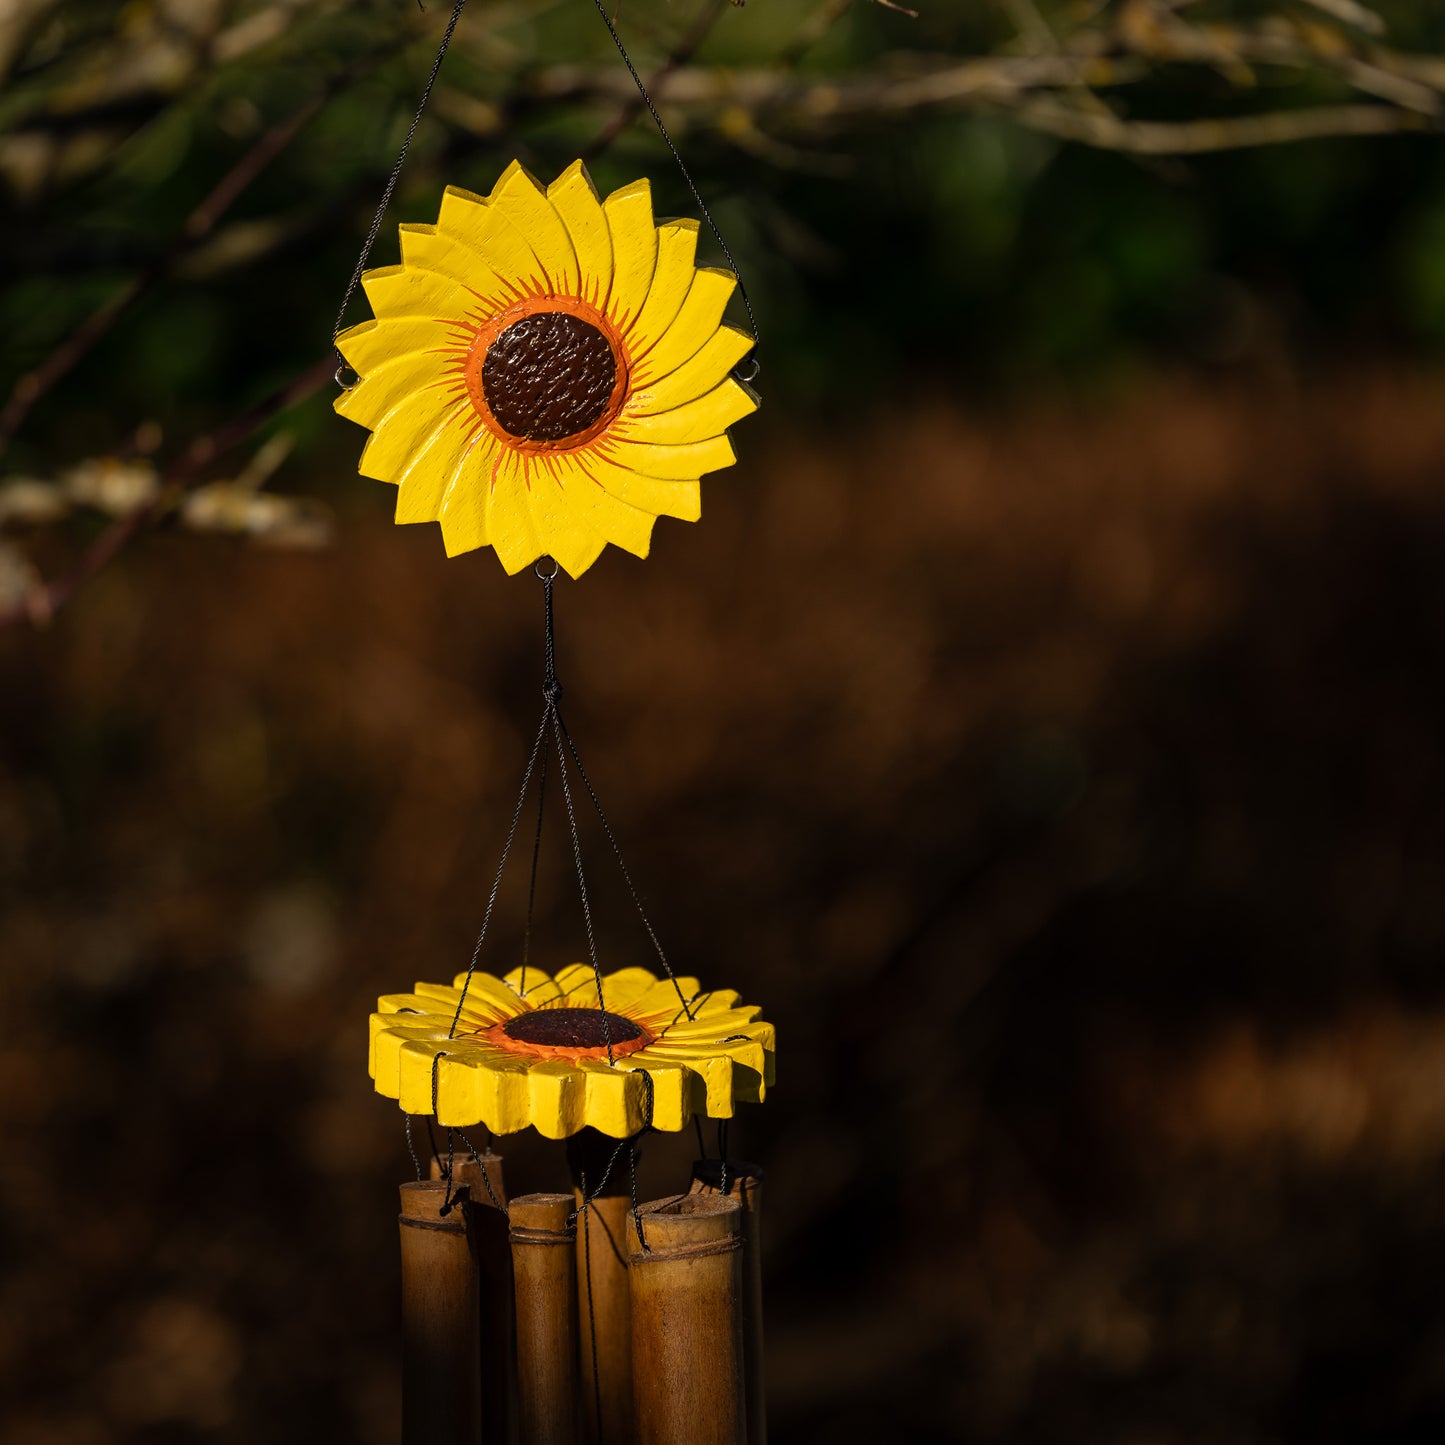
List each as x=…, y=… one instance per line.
x=747, y=371
x=346, y=385
x=547, y=576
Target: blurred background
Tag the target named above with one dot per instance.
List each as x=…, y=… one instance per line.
x=1042, y=724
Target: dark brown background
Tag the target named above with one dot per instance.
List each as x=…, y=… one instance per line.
x=1042, y=724
x=1079, y=829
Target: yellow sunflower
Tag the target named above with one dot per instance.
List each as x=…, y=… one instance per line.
x=539, y=1057
x=547, y=371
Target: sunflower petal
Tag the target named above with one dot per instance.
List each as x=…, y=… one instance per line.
x=424, y=482
x=705, y=416
x=464, y=508
x=387, y=386
x=469, y=219
x=573, y=513
x=676, y=250
x=577, y=203
x=680, y=463
x=634, y=250
x=660, y=496
x=699, y=374
x=697, y=319
x=404, y=430
x=373, y=343
x=521, y=198
x=429, y=248
x=396, y=291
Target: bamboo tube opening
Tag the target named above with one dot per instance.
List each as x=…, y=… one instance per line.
x=744, y=1182
x=441, y=1315
x=544, y=1266
x=687, y=1346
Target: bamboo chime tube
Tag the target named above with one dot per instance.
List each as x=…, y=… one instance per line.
x=745, y=1184
x=497, y=1340
x=465, y=1170
x=441, y=1393
x=687, y=1322
x=603, y=1311
x=543, y=1265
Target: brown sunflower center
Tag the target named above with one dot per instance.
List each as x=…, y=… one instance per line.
x=572, y=1028
x=549, y=376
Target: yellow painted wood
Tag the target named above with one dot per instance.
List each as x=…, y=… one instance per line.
x=373, y=343
x=634, y=250
x=462, y=510
x=423, y=484
x=524, y=249
x=706, y=1064
x=671, y=281
x=523, y=200
x=707, y=415
x=404, y=431
x=702, y=371
x=398, y=291
x=429, y=248
x=697, y=319
x=662, y=496
x=680, y=462
x=414, y=374
x=467, y=218
x=580, y=207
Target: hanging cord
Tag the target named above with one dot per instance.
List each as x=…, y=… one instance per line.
x=411, y=1148
x=532, y=885
x=552, y=689
x=501, y=868
x=447, y=1198
x=484, y=1172
x=371, y=235
x=752, y=362
x=622, y=866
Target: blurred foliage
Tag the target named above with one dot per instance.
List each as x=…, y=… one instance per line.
x=1072, y=800
x=897, y=234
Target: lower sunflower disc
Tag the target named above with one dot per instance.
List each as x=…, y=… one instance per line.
x=534, y=1051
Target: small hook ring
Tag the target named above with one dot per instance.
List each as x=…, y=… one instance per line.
x=547, y=576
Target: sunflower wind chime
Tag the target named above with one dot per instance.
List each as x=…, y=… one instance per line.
x=548, y=371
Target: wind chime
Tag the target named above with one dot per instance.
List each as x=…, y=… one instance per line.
x=548, y=371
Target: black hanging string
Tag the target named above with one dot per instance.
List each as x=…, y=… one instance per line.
x=391, y=181
x=622, y=866
x=566, y=749
x=501, y=868
x=746, y=371
x=532, y=884
x=411, y=1149
x=686, y=175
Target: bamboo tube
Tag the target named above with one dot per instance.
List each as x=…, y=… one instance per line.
x=687, y=1373
x=603, y=1313
x=465, y=1170
x=441, y=1393
x=543, y=1265
x=745, y=1184
x=497, y=1338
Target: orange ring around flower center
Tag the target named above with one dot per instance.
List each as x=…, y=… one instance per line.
x=568, y=1033
x=493, y=327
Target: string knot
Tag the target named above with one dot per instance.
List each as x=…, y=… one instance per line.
x=552, y=690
